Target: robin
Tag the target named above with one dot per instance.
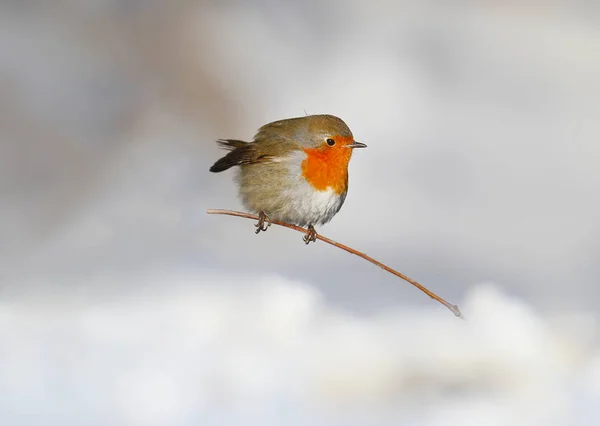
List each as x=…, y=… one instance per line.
x=295, y=170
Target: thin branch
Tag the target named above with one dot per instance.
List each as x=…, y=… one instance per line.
x=454, y=308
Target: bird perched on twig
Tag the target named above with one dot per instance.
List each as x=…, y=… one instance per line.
x=295, y=170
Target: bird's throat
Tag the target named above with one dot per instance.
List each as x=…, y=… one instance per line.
x=327, y=168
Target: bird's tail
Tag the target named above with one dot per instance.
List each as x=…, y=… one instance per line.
x=240, y=153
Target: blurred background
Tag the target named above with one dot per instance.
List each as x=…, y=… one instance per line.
x=123, y=303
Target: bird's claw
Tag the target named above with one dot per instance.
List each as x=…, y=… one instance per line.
x=263, y=222
x=311, y=235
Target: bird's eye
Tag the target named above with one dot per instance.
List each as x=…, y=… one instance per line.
x=330, y=142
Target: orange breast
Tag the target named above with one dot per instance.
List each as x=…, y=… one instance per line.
x=327, y=167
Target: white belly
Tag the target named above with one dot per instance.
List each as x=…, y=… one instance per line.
x=308, y=206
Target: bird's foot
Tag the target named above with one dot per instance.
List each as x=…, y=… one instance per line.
x=311, y=235
x=263, y=222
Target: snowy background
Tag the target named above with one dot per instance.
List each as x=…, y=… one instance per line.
x=123, y=303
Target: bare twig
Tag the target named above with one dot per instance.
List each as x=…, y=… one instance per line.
x=454, y=308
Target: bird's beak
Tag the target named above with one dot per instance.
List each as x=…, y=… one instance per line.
x=355, y=144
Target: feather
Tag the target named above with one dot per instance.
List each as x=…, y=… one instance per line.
x=240, y=153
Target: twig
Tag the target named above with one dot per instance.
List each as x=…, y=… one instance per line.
x=454, y=308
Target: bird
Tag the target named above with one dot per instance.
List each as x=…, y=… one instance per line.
x=295, y=170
